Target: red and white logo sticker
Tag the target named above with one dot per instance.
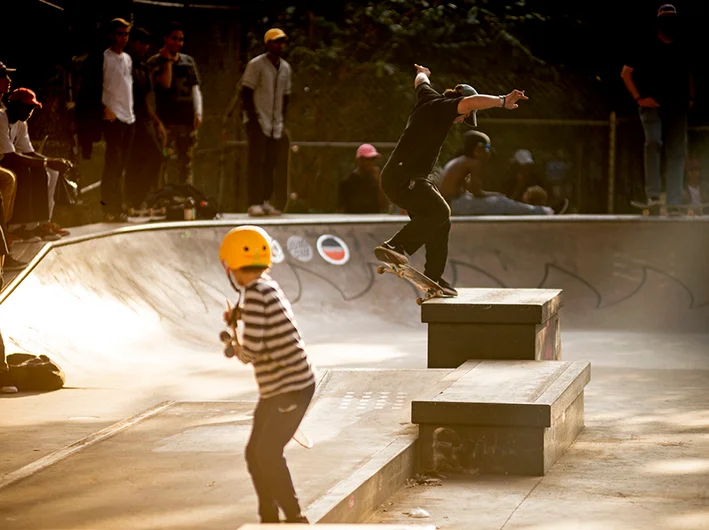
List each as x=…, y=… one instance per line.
x=333, y=250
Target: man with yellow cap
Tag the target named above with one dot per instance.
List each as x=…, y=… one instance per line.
x=266, y=86
x=271, y=341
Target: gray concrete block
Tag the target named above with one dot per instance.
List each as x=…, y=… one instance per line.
x=500, y=324
x=503, y=417
x=494, y=306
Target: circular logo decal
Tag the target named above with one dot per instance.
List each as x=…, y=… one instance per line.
x=277, y=255
x=333, y=250
x=299, y=248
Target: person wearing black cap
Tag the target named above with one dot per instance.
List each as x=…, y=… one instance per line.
x=658, y=77
x=406, y=177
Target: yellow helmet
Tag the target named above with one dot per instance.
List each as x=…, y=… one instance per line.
x=246, y=246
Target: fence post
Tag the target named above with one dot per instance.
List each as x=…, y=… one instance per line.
x=611, y=161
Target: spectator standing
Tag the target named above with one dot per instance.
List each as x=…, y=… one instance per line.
x=178, y=97
x=119, y=119
x=265, y=93
x=150, y=137
x=658, y=77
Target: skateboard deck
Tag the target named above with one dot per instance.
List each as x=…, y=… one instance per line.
x=419, y=280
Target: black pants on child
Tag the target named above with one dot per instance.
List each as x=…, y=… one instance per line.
x=275, y=421
x=430, y=223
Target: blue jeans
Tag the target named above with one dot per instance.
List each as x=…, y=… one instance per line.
x=467, y=204
x=666, y=128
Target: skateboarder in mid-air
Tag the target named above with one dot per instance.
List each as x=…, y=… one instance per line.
x=272, y=343
x=406, y=179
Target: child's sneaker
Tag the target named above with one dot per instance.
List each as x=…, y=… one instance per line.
x=256, y=210
x=391, y=254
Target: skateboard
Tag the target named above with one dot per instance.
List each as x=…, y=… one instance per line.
x=661, y=209
x=230, y=340
x=419, y=280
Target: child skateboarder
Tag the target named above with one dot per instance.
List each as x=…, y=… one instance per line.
x=272, y=343
x=406, y=179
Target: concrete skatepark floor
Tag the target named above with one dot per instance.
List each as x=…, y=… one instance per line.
x=139, y=316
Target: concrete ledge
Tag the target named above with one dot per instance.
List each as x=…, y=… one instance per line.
x=358, y=495
x=494, y=306
x=504, y=324
x=511, y=417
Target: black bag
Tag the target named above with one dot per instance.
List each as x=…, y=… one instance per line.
x=173, y=198
x=35, y=373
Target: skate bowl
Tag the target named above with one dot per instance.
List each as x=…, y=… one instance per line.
x=145, y=304
x=649, y=275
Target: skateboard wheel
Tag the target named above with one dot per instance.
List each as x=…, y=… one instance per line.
x=224, y=336
x=419, y=301
x=229, y=352
x=380, y=269
x=400, y=274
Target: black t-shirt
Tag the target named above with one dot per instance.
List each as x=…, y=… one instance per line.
x=141, y=87
x=175, y=106
x=359, y=193
x=418, y=147
x=662, y=71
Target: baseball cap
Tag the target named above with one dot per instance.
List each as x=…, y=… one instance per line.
x=26, y=96
x=4, y=70
x=367, y=151
x=467, y=90
x=666, y=9
x=523, y=157
x=274, y=34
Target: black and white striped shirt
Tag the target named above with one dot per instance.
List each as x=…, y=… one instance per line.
x=272, y=341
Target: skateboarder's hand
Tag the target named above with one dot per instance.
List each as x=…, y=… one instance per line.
x=648, y=103
x=422, y=70
x=513, y=97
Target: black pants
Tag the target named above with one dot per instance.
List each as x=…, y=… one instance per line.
x=265, y=161
x=144, y=161
x=32, y=199
x=184, y=138
x=119, y=140
x=430, y=223
x=5, y=379
x=275, y=421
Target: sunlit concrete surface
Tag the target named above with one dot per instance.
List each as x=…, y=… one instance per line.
x=133, y=320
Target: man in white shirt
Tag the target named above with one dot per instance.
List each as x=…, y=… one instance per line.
x=118, y=116
x=31, y=216
x=266, y=88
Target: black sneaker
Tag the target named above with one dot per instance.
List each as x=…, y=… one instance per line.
x=447, y=288
x=13, y=265
x=391, y=254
